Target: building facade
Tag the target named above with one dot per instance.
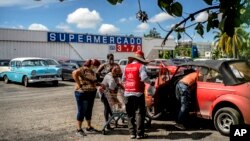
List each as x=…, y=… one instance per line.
x=29, y=43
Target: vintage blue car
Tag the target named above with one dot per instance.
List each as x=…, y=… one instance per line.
x=31, y=70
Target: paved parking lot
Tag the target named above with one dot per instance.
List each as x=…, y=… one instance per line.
x=44, y=112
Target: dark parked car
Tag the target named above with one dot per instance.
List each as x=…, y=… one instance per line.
x=68, y=66
x=221, y=93
x=78, y=63
x=67, y=69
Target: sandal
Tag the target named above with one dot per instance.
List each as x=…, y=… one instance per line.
x=142, y=136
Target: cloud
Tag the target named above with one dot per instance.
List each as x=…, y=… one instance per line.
x=142, y=27
x=161, y=17
x=123, y=20
x=27, y=4
x=83, y=18
x=36, y=26
x=19, y=27
x=108, y=29
x=64, y=27
x=201, y=17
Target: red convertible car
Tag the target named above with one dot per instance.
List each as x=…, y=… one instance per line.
x=222, y=93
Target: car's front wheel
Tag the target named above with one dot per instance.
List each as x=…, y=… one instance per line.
x=25, y=81
x=225, y=117
x=6, y=79
x=55, y=83
x=151, y=112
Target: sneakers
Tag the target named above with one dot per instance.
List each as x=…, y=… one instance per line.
x=180, y=126
x=80, y=132
x=142, y=136
x=132, y=136
x=91, y=129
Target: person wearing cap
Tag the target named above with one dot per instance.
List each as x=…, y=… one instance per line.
x=85, y=92
x=134, y=77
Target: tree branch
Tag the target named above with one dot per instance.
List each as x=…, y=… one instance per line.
x=185, y=20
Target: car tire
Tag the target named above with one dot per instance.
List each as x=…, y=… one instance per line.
x=6, y=79
x=150, y=111
x=225, y=117
x=25, y=81
x=55, y=83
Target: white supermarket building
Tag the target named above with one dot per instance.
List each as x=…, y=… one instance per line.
x=63, y=45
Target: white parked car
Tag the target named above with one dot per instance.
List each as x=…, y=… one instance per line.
x=123, y=63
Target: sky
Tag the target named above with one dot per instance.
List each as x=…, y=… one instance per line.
x=97, y=17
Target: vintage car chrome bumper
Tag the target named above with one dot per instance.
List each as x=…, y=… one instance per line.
x=44, y=79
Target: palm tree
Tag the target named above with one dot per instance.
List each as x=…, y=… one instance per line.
x=230, y=45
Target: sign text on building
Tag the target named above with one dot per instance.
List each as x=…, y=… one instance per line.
x=95, y=39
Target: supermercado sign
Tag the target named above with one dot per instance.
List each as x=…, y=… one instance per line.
x=95, y=39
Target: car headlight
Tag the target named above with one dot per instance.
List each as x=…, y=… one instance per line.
x=59, y=71
x=33, y=72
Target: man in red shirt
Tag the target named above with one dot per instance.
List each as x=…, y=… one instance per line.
x=134, y=77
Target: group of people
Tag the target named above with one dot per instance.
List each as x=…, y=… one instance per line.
x=89, y=78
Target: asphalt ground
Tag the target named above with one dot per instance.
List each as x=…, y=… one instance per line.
x=43, y=112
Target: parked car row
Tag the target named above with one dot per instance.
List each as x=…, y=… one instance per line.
x=27, y=70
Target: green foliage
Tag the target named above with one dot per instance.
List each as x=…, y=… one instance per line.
x=209, y=2
x=176, y=9
x=114, y=2
x=199, y=29
x=153, y=33
x=165, y=54
x=171, y=7
x=183, y=50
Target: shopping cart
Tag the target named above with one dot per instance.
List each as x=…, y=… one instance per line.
x=117, y=106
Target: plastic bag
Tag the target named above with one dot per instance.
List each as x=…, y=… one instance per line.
x=151, y=90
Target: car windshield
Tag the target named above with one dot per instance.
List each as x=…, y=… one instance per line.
x=52, y=62
x=31, y=63
x=241, y=71
x=168, y=63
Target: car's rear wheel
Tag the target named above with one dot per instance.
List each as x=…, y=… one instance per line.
x=6, y=79
x=151, y=112
x=225, y=117
x=25, y=81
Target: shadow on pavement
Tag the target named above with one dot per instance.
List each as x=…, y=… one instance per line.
x=193, y=136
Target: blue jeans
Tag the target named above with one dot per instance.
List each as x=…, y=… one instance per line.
x=183, y=95
x=85, y=103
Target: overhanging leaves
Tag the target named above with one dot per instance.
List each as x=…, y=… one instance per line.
x=114, y=2
x=209, y=2
x=176, y=9
x=199, y=29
